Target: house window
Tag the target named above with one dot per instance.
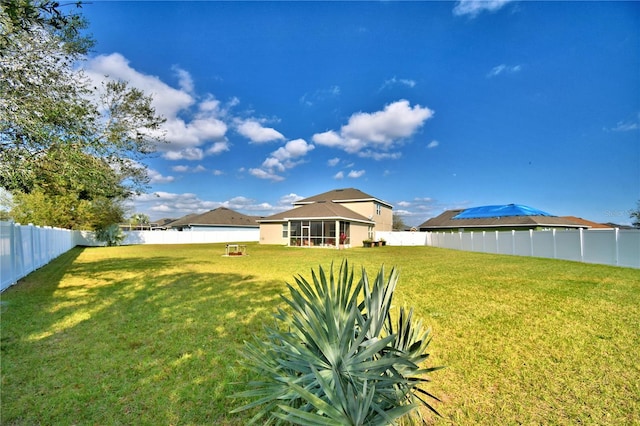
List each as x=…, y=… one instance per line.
x=378, y=209
x=285, y=230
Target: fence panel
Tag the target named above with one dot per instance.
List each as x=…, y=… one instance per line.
x=543, y=243
x=568, y=245
x=629, y=248
x=504, y=242
x=25, y=248
x=609, y=247
x=522, y=243
x=599, y=247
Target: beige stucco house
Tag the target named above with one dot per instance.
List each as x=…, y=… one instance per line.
x=342, y=217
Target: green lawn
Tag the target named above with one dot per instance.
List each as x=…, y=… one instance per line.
x=150, y=334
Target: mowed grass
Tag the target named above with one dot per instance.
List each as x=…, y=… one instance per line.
x=150, y=335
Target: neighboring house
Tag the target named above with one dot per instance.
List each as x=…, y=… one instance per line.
x=161, y=224
x=219, y=219
x=342, y=217
x=498, y=218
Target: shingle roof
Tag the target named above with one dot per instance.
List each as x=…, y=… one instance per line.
x=446, y=221
x=221, y=216
x=341, y=195
x=317, y=210
x=162, y=222
x=588, y=223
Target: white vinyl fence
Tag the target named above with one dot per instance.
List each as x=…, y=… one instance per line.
x=618, y=247
x=25, y=248
x=222, y=235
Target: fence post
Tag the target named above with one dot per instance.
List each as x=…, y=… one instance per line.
x=513, y=241
x=581, y=245
x=617, y=250
x=531, y=242
x=555, y=248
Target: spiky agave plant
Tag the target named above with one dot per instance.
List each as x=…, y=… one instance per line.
x=335, y=357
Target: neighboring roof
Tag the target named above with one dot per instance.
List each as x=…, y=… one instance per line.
x=343, y=195
x=318, y=210
x=221, y=216
x=508, y=210
x=588, y=223
x=447, y=220
x=162, y=222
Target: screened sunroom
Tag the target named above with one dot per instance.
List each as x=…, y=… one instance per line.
x=316, y=225
x=321, y=233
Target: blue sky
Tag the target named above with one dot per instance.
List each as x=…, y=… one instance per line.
x=426, y=105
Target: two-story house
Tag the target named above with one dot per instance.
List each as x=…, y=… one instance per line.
x=338, y=218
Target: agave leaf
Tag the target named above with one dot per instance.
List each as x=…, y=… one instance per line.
x=300, y=417
x=318, y=403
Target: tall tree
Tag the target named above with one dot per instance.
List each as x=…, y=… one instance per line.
x=398, y=223
x=635, y=216
x=60, y=137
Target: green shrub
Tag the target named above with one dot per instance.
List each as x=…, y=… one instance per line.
x=337, y=357
x=112, y=235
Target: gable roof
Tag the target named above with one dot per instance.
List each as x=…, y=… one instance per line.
x=221, y=216
x=318, y=210
x=343, y=195
x=454, y=219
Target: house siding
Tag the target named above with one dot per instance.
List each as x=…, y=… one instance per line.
x=271, y=233
x=384, y=220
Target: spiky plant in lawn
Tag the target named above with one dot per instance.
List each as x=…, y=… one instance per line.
x=336, y=357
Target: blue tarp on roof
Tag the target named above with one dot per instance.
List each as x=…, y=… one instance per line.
x=499, y=211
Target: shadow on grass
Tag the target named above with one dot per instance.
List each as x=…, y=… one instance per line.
x=133, y=341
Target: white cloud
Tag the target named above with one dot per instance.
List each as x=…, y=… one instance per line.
x=157, y=177
x=433, y=144
x=185, y=154
x=187, y=169
x=310, y=99
x=354, y=174
x=282, y=159
x=339, y=175
x=366, y=133
x=165, y=204
x=380, y=155
x=184, y=79
x=255, y=132
x=290, y=199
x=184, y=136
x=403, y=204
x=180, y=169
x=218, y=172
x=473, y=8
x=627, y=126
x=333, y=162
x=398, y=81
x=218, y=147
x=503, y=69
x=263, y=174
